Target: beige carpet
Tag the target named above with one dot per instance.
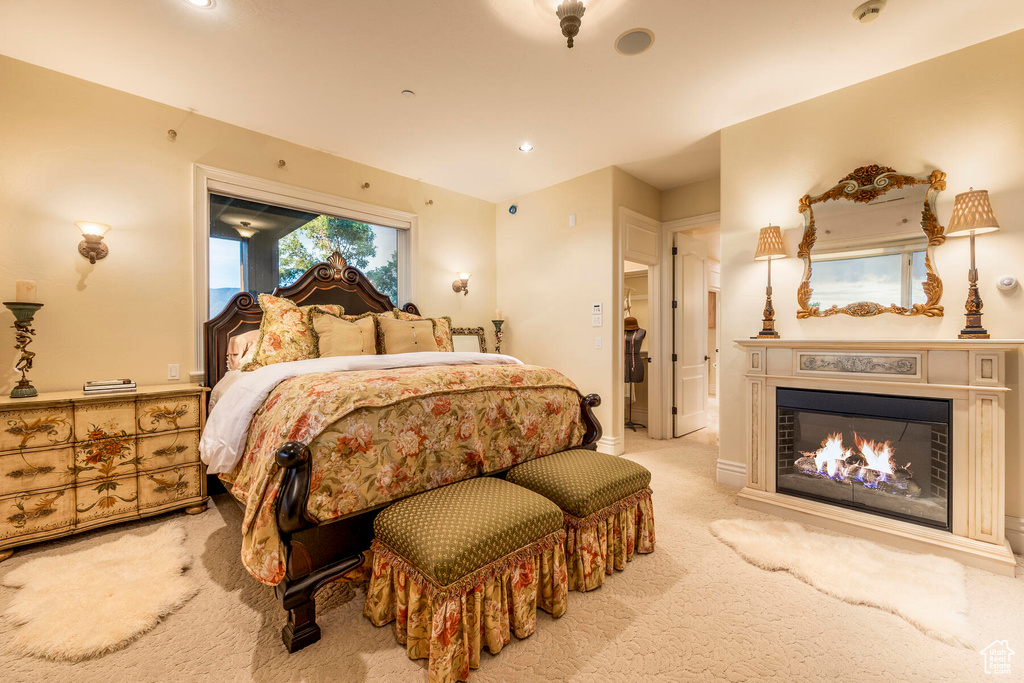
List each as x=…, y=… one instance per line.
x=692, y=611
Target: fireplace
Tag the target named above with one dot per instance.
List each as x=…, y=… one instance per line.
x=888, y=455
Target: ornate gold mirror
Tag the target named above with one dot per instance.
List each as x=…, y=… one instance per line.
x=873, y=238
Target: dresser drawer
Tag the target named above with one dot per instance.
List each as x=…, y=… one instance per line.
x=107, y=498
x=169, y=486
x=93, y=421
x=105, y=459
x=35, y=427
x=167, y=449
x=166, y=414
x=32, y=513
x=36, y=469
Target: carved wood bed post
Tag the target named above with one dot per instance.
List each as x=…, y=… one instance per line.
x=594, y=431
x=297, y=591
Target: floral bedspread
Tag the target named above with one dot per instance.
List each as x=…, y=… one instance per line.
x=379, y=435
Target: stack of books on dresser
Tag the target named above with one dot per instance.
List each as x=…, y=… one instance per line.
x=109, y=386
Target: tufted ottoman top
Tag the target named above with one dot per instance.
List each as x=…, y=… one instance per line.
x=450, y=532
x=582, y=482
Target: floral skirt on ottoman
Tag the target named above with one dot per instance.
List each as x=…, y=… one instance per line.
x=463, y=567
x=606, y=501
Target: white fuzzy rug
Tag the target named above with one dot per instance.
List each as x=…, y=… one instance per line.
x=91, y=602
x=926, y=590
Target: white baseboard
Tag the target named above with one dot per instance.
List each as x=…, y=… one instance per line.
x=1015, y=533
x=731, y=473
x=612, y=445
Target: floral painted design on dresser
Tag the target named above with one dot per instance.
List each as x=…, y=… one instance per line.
x=56, y=428
x=32, y=510
x=164, y=415
x=105, y=455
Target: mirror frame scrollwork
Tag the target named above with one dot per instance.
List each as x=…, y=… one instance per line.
x=864, y=185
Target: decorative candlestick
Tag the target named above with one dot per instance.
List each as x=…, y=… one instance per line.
x=497, y=335
x=23, y=332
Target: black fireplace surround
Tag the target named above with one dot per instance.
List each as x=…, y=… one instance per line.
x=888, y=455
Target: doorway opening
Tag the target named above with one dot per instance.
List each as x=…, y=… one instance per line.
x=637, y=310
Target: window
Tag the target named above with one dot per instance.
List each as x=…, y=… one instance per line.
x=256, y=246
x=893, y=275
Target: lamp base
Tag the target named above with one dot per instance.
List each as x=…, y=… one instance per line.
x=973, y=328
x=24, y=389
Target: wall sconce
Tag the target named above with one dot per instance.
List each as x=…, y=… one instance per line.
x=462, y=284
x=92, y=247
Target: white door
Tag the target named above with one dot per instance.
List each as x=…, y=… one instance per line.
x=690, y=313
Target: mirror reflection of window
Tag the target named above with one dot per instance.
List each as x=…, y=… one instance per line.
x=894, y=276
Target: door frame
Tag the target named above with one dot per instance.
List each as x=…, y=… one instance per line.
x=655, y=379
x=669, y=230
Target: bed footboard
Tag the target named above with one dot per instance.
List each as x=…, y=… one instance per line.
x=307, y=571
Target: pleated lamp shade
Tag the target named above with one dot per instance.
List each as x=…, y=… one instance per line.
x=972, y=213
x=769, y=244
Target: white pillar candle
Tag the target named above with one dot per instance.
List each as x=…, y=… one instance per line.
x=25, y=291
x=497, y=315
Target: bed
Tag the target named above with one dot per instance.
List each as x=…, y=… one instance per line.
x=298, y=542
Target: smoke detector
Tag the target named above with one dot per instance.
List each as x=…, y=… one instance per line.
x=869, y=11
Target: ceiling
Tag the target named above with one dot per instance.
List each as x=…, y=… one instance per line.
x=490, y=74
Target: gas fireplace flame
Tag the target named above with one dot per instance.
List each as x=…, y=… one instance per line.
x=872, y=465
x=878, y=455
x=831, y=457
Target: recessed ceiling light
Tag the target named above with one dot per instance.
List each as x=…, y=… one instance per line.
x=869, y=11
x=634, y=41
x=526, y=147
x=202, y=4
x=408, y=93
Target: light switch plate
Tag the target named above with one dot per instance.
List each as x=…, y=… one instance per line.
x=572, y=220
x=173, y=372
x=597, y=342
x=598, y=320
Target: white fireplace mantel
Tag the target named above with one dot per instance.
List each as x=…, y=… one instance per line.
x=976, y=375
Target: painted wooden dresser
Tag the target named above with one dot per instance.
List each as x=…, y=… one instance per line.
x=71, y=462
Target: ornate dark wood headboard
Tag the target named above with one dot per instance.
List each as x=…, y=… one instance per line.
x=332, y=282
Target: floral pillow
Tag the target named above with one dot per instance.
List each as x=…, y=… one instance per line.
x=285, y=333
x=442, y=329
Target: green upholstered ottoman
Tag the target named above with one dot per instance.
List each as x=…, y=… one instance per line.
x=606, y=501
x=462, y=566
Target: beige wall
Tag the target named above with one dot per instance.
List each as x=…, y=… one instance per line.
x=549, y=274
x=695, y=199
x=962, y=113
x=73, y=150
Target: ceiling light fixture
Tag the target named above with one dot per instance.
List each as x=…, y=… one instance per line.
x=570, y=16
x=202, y=4
x=526, y=147
x=244, y=230
x=408, y=94
x=869, y=11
